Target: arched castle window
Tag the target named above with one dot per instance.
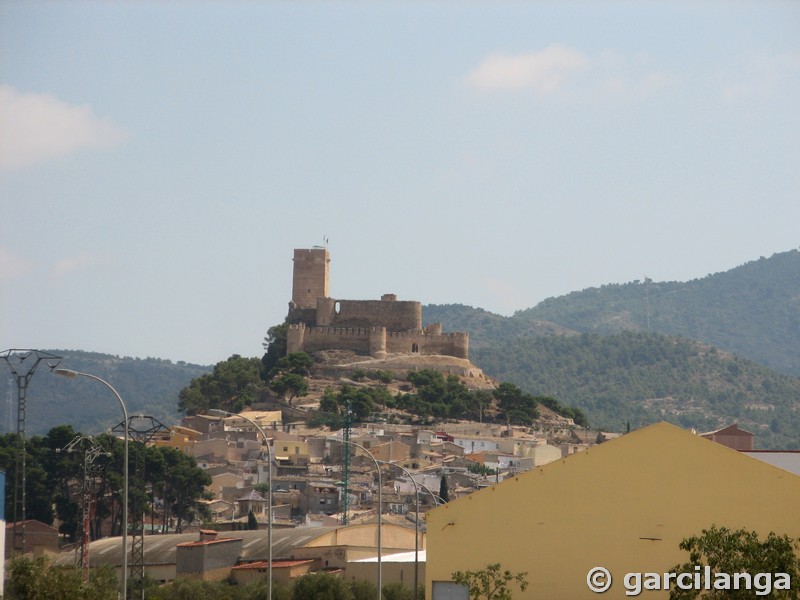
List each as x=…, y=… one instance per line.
x=337, y=307
x=415, y=347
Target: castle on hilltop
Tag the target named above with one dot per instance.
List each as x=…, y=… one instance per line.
x=374, y=327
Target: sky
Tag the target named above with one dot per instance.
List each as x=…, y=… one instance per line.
x=159, y=161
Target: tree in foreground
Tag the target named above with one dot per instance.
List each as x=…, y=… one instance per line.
x=491, y=583
x=729, y=552
x=320, y=586
x=399, y=591
x=37, y=579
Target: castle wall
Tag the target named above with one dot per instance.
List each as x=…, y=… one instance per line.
x=408, y=342
x=355, y=339
x=326, y=312
x=368, y=327
x=295, y=337
x=376, y=341
x=301, y=315
x=394, y=315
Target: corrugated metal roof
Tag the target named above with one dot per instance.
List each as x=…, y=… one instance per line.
x=208, y=542
x=162, y=549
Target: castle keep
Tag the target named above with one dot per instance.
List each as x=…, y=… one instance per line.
x=373, y=327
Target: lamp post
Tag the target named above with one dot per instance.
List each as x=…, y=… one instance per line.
x=380, y=505
x=225, y=413
x=70, y=374
x=416, y=524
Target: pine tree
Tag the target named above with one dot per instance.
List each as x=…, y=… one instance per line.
x=444, y=493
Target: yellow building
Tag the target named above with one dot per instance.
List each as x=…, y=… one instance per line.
x=266, y=419
x=624, y=505
x=181, y=438
x=293, y=450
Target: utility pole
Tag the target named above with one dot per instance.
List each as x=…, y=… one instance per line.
x=22, y=364
x=346, y=463
x=146, y=427
x=91, y=451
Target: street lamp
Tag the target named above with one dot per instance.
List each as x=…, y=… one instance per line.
x=70, y=374
x=224, y=413
x=380, y=505
x=416, y=524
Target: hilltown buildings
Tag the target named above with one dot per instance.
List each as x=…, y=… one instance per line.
x=624, y=504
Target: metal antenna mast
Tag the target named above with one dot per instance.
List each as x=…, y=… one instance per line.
x=22, y=364
x=146, y=428
x=346, y=464
x=91, y=451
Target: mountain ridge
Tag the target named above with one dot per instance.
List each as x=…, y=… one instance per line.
x=746, y=319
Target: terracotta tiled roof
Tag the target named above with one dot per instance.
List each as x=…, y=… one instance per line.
x=276, y=564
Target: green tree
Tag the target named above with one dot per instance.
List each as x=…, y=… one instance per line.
x=438, y=396
x=399, y=591
x=362, y=400
x=275, y=347
x=518, y=406
x=491, y=583
x=193, y=589
x=39, y=485
x=289, y=386
x=36, y=579
x=740, y=551
x=65, y=471
x=108, y=495
x=288, y=378
x=320, y=586
x=179, y=482
x=444, y=491
x=362, y=590
x=296, y=362
x=252, y=522
x=232, y=385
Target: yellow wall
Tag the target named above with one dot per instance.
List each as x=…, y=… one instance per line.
x=391, y=572
x=595, y=508
x=180, y=441
x=393, y=537
x=290, y=448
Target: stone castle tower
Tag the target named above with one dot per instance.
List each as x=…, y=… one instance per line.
x=310, y=278
x=373, y=327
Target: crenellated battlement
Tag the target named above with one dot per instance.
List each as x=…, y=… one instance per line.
x=374, y=327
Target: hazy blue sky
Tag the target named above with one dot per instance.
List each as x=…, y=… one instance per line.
x=159, y=161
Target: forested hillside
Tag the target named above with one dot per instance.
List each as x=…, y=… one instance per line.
x=591, y=349
x=752, y=310
x=638, y=378
x=148, y=386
